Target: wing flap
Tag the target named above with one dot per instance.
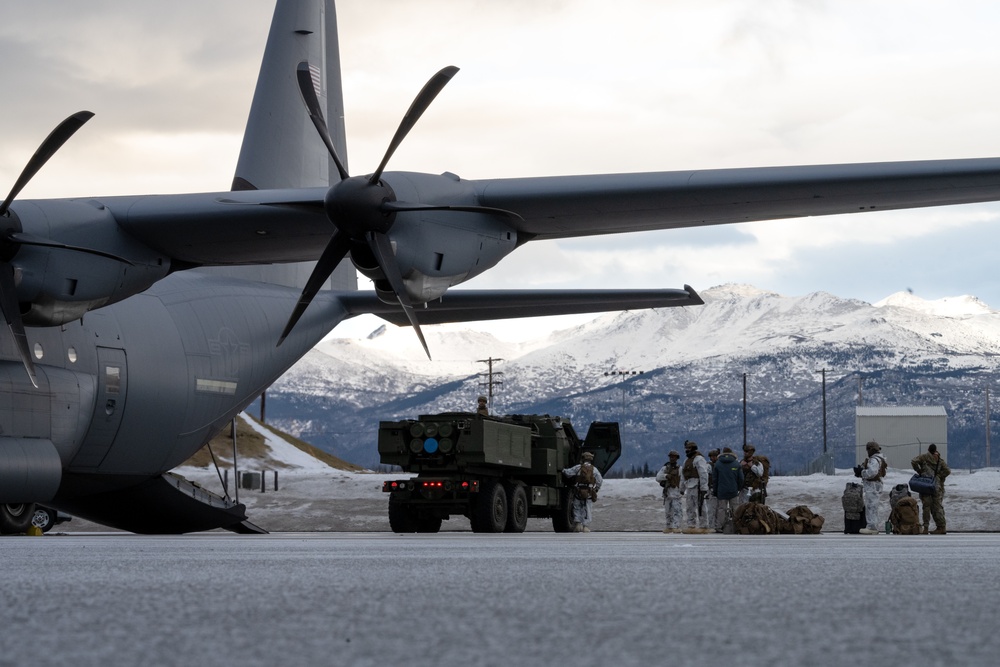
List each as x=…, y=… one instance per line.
x=476, y=305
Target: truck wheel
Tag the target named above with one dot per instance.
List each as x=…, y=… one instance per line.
x=428, y=524
x=517, y=508
x=490, y=515
x=401, y=518
x=16, y=519
x=562, y=516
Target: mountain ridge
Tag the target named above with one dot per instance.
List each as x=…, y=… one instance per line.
x=905, y=350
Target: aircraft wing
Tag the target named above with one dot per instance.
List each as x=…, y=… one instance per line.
x=475, y=305
x=567, y=206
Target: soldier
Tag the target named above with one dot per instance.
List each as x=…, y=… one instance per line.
x=932, y=465
x=587, y=482
x=711, y=500
x=694, y=476
x=753, y=474
x=871, y=472
x=727, y=475
x=669, y=478
x=481, y=408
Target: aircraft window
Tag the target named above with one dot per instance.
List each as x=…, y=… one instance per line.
x=71, y=355
x=112, y=379
x=39, y=352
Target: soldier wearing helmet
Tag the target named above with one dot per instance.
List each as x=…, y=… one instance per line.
x=753, y=473
x=669, y=478
x=586, y=482
x=711, y=501
x=871, y=471
x=481, y=407
x=694, y=487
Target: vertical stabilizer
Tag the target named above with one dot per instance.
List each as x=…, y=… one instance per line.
x=281, y=148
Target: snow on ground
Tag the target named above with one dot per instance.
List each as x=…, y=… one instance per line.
x=312, y=496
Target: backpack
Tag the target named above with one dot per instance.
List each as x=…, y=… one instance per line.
x=883, y=467
x=584, y=487
x=905, y=517
x=898, y=492
x=755, y=519
x=853, y=501
x=767, y=469
x=803, y=521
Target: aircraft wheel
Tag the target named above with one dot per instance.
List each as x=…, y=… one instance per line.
x=490, y=515
x=44, y=518
x=517, y=508
x=16, y=518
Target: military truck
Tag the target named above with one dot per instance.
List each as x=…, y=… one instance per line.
x=497, y=471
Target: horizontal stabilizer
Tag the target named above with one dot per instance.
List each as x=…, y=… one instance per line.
x=476, y=305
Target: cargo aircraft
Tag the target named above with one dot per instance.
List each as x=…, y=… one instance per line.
x=139, y=326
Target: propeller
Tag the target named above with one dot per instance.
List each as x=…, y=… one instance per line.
x=11, y=237
x=363, y=208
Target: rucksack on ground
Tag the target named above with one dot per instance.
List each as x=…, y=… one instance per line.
x=898, y=491
x=905, y=516
x=853, y=501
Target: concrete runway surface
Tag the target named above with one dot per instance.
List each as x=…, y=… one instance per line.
x=463, y=599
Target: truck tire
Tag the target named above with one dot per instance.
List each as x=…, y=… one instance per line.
x=15, y=519
x=517, y=508
x=401, y=518
x=428, y=524
x=490, y=514
x=562, y=516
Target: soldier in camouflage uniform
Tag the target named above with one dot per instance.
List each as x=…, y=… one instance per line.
x=694, y=476
x=587, y=482
x=932, y=465
x=871, y=472
x=753, y=473
x=711, y=501
x=669, y=478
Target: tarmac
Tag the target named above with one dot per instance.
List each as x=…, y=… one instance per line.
x=622, y=598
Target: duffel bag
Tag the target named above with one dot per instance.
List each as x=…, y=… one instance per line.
x=923, y=485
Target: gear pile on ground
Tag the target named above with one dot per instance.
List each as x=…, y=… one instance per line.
x=757, y=519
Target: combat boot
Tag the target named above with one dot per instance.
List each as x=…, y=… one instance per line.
x=940, y=530
x=578, y=528
x=924, y=531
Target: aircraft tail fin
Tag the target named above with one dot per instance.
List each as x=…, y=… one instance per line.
x=281, y=148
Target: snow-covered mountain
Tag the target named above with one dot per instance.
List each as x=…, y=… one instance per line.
x=902, y=350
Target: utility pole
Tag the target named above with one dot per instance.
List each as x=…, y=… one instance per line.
x=987, y=427
x=622, y=375
x=493, y=379
x=744, y=409
x=823, y=371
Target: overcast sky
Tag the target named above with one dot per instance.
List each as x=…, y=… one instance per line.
x=556, y=87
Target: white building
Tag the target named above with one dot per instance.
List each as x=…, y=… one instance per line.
x=903, y=432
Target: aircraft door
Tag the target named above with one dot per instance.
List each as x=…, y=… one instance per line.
x=112, y=383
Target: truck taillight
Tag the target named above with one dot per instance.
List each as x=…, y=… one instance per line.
x=470, y=487
x=395, y=485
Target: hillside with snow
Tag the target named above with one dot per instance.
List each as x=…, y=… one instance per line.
x=694, y=364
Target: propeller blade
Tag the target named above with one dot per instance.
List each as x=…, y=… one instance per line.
x=382, y=248
x=12, y=314
x=29, y=239
x=47, y=149
x=413, y=114
x=335, y=251
x=396, y=206
x=304, y=75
